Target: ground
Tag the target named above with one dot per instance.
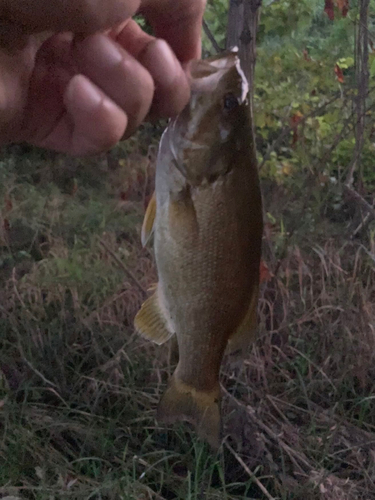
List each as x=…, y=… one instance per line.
x=79, y=389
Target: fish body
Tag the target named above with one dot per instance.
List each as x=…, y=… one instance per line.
x=206, y=217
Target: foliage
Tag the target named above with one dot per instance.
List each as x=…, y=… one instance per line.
x=78, y=390
x=216, y=18
x=310, y=59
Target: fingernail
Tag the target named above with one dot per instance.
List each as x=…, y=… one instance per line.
x=82, y=94
x=163, y=64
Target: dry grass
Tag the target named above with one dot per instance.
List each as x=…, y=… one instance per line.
x=78, y=388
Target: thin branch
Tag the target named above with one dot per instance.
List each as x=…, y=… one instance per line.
x=248, y=471
x=271, y=2
x=287, y=130
x=33, y=369
x=354, y=195
x=123, y=267
x=316, y=112
x=294, y=455
x=211, y=37
x=362, y=226
x=30, y=365
x=343, y=132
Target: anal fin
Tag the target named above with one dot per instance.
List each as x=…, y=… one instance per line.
x=150, y=321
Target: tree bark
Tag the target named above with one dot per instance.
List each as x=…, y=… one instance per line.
x=243, y=21
x=242, y=28
x=362, y=77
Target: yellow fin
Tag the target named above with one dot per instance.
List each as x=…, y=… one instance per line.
x=245, y=335
x=202, y=409
x=150, y=322
x=148, y=221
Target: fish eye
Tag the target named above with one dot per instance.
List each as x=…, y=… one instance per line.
x=230, y=101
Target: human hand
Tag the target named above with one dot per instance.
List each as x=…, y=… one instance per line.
x=95, y=76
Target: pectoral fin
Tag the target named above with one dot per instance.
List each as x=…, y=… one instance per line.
x=244, y=336
x=150, y=321
x=148, y=221
x=182, y=216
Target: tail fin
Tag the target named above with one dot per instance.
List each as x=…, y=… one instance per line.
x=202, y=409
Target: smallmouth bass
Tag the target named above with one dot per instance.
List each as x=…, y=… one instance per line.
x=206, y=217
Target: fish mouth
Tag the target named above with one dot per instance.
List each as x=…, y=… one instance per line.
x=207, y=73
x=211, y=80
x=196, y=136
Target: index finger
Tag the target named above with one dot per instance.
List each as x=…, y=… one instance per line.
x=179, y=22
x=171, y=83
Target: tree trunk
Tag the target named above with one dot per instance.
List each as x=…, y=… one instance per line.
x=362, y=77
x=243, y=20
x=242, y=28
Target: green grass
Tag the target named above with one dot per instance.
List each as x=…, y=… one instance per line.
x=78, y=389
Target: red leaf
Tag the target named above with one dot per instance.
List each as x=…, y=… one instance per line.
x=329, y=9
x=306, y=55
x=294, y=121
x=8, y=204
x=296, y=118
x=343, y=6
x=264, y=273
x=339, y=73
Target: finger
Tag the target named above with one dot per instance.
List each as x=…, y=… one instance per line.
x=78, y=16
x=131, y=36
x=179, y=23
x=172, y=89
x=51, y=75
x=92, y=123
x=119, y=75
x=14, y=39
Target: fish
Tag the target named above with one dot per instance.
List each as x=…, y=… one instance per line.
x=206, y=221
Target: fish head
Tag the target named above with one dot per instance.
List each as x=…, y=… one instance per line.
x=215, y=121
